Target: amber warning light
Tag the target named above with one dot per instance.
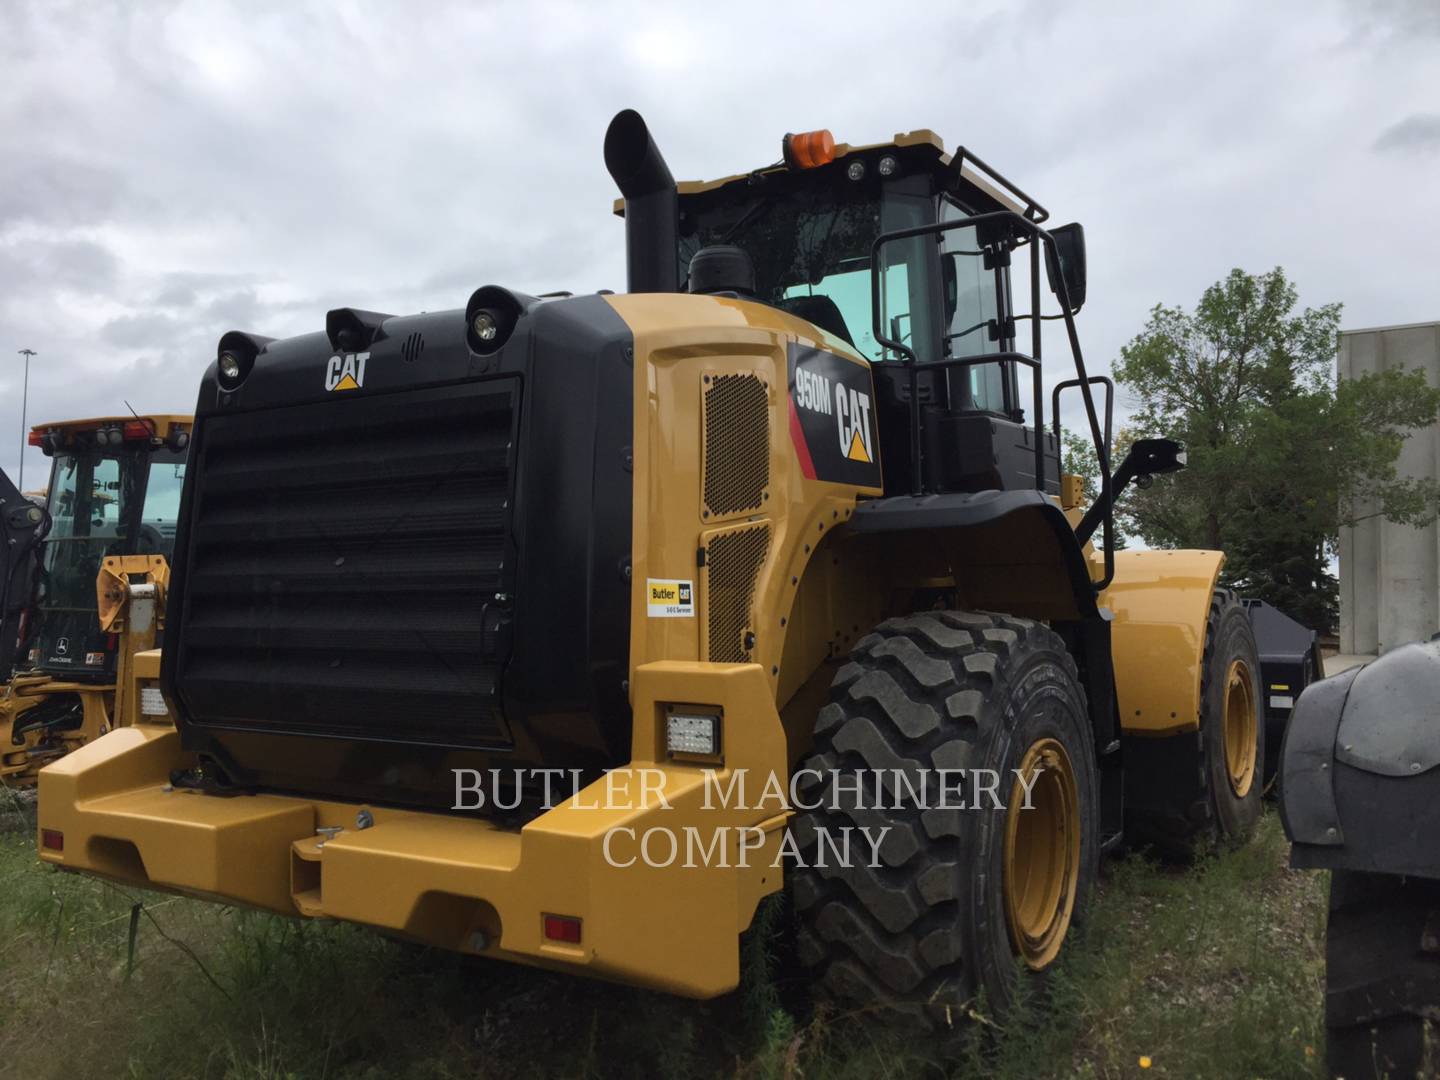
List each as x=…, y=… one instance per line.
x=809, y=149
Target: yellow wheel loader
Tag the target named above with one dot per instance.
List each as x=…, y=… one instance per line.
x=111, y=509
x=564, y=629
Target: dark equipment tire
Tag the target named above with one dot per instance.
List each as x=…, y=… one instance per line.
x=1214, y=794
x=1379, y=978
x=939, y=921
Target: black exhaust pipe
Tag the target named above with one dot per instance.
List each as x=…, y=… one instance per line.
x=652, y=205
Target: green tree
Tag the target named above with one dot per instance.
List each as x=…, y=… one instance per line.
x=1278, y=452
x=1079, y=459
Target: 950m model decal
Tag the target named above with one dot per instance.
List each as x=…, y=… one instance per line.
x=832, y=418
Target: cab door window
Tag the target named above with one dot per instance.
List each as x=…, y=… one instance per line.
x=972, y=297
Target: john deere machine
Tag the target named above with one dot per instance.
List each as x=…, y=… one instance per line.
x=790, y=508
x=113, y=501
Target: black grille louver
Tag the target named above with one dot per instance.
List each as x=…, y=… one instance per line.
x=344, y=564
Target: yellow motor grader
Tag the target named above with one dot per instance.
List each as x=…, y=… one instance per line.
x=768, y=557
x=110, y=510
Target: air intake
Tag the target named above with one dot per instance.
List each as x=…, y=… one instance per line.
x=737, y=445
x=412, y=347
x=733, y=561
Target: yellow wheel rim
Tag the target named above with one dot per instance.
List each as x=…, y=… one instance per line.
x=1042, y=853
x=1240, y=728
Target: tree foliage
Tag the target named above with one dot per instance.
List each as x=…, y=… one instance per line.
x=1078, y=458
x=1280, y=456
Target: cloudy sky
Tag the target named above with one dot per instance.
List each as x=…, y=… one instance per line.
x=173, y=170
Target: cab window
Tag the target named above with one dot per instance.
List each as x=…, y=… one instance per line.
x=973, y=303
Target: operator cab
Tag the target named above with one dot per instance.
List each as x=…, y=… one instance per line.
x=114, y=490
x=810, y=226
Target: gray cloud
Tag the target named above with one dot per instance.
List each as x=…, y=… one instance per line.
x=80, y=267
x=1389, y=20
x=175, y=169
x=1419, y=133
x=138, y=331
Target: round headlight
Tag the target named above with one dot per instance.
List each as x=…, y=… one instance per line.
x=889, y=166
x=491, y=316
x=855, y=170
x=485, y=326
x=230, y=367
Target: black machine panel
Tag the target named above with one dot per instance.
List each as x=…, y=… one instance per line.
x=344, y=564
x=22, y=526
x=421, y=569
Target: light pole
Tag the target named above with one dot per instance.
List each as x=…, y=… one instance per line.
x=24, y=403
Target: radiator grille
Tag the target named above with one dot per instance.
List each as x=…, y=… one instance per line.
x=737, y=444
x=343, y=564
x=733, y=560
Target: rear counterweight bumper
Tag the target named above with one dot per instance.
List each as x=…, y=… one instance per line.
x=665, y=914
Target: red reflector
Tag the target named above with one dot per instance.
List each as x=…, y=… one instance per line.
x=54, y=840
x=137, y=429
x=562, y=928
x=35, y=437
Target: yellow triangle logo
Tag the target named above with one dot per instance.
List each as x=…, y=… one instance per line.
x=349, y=383
x=857, y=449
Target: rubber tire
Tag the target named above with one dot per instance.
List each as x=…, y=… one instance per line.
x=1207, y=812
x=925, y=932
x=1377, y=979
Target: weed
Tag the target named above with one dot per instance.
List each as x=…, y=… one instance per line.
x=1213, y=971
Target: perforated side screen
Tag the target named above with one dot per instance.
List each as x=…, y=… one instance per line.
x=733, y=560
x=737, y=444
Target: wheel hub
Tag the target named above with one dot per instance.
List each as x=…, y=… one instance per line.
x=1042, y=853
x=1240, y=728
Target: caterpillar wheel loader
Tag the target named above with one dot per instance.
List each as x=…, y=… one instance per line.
x=745, y=561
x=111, y=509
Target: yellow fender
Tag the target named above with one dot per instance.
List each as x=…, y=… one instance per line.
x=1161, y=603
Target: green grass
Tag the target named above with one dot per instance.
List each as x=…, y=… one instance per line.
x=1211, y=972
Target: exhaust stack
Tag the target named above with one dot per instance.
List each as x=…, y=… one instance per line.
x=652, y=205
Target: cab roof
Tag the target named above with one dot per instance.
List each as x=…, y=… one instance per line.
x=163, y=422
x=969, y=176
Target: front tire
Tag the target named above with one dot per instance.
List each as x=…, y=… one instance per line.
x=1211, y=787
x=1379, y=979
x=961, y=901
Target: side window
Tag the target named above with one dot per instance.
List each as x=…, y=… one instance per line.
x=970, y=296
x=896, y=301
x=908, y=290
x=100, y=506
x=848, y=288
x=162, y=495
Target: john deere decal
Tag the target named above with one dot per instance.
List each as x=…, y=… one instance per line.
x=346, y=372
x=832, y=418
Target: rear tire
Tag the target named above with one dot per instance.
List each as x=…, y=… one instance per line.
x=963, y=901
x=1378, y=980
x=1217, y=796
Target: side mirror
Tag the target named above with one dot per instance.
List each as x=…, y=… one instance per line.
x=1070, y=246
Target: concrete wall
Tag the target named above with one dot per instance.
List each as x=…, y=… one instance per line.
x=1390, y=574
